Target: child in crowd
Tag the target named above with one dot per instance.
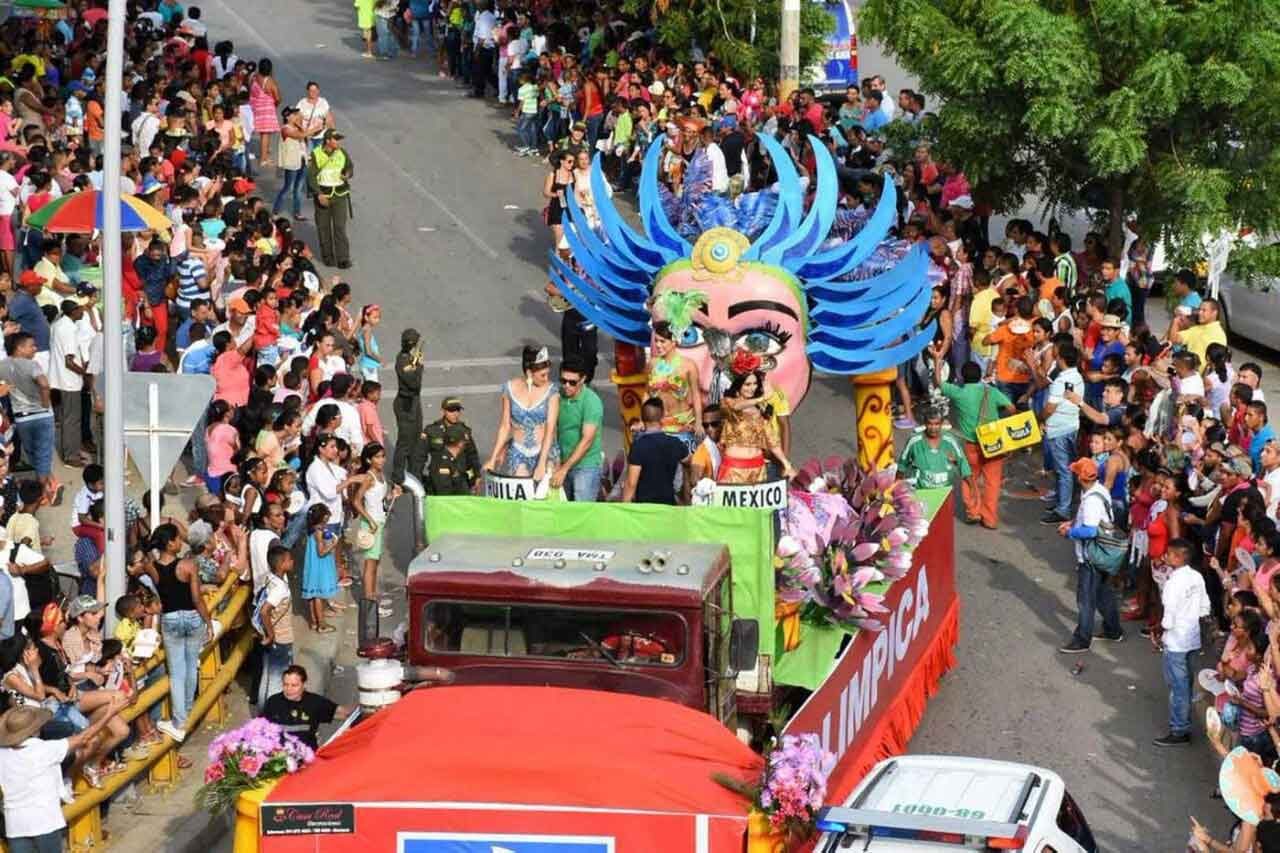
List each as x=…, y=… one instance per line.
x=319, y=568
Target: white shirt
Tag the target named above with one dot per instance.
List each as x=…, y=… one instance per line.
x=81, y=503
x=31, y=781
x=313, y=112
x=1272, y=479
x=90, y=340
x=1092, y=513
x=1185, y=604
x=350, y=430
x=64, y=340
x=144, y=130
x=323, y=478
x=1191, y=386
x=485, y=23
x=21, y=601
x=260, y=541
x=8, y=193
x=719, y=171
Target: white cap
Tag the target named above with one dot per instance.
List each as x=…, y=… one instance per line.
x=964, y=202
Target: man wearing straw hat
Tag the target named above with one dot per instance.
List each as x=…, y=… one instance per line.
x=31, y=776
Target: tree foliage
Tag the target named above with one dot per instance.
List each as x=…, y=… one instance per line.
x=744, y=34
x=1164, y=110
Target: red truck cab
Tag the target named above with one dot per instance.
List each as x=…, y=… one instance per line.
x=652, y=619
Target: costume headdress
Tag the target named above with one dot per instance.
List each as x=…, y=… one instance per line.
x=866, y=295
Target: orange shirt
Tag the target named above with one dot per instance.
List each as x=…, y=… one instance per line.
x=93, y=119
x=1011, y=354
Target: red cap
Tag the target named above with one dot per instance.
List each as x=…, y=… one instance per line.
x=30, y=277
x=1085, y=468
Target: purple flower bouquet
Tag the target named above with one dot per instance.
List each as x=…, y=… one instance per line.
x=254, y=754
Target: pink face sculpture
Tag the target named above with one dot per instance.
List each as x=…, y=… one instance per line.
x=754, y=308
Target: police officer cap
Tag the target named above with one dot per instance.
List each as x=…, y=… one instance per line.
x=409, y=337
x=455, y=434
x=451, y=404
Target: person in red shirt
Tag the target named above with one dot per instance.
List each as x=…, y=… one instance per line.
x=266, y=328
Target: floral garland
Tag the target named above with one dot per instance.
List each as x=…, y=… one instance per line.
x=843, y=531
x=248, y=757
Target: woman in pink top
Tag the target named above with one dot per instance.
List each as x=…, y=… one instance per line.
x=221, y=441
x=230, y=375
x=264, y=100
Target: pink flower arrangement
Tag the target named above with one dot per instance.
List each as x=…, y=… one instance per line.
x=251, y=755
x=858, y=532
x=793, y=785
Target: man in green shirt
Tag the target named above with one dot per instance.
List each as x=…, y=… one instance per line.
x=975, y=403
x=578, y=429
x=933, y=458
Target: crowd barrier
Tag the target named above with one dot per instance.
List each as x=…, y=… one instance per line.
x=220, y=661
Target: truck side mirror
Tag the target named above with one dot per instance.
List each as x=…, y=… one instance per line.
x=744, y=644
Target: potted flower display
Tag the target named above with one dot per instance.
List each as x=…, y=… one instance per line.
x=786, y=799
x=252, y=756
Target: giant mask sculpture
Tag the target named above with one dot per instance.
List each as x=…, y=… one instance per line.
x=818, y=289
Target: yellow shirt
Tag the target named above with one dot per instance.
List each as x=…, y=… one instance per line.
x=50, y=272
x=126, y=632
x=1197, y=338
x=980, y=320
x=22, y=527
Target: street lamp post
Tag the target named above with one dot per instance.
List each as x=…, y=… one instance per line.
x=113, y=454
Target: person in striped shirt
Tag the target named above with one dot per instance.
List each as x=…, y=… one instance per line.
x=193, y=284
x=1064, y=264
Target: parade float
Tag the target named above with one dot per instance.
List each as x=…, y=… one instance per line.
x=823, y=618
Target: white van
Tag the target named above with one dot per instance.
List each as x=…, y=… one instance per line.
x=917, y=803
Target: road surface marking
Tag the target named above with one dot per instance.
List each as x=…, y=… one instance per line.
x=286, y=69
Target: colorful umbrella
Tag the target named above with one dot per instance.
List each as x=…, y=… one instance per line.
x=81, y=213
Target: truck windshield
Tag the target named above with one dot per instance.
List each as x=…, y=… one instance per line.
x=643, y=637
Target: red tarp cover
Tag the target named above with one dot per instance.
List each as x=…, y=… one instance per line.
x=531, y=745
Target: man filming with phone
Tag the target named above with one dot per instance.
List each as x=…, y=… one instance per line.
x=1060, y=423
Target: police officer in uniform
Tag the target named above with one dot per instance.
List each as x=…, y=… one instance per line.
x=407, y=405
x=433, y=439
x=447, y=467
x=329, y=171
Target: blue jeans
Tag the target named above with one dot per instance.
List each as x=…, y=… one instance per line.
x=240, y=161
x=527, y=129
x=583, y=483
x=294, y=180
x=1060, y=452
x=1177, y=675
x=184, y=634
x=36, y=435
x=275, y=659
x=386, y=41
x=417, y=27
x=1094, y=592
x=50, y=842
x=594, y=124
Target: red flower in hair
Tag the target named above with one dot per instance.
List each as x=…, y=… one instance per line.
x=744, y=362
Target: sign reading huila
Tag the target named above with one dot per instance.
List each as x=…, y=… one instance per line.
x=801, y=288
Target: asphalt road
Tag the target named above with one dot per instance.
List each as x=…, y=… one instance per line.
x=447, y=237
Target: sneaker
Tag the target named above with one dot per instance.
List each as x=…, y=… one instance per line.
x=1173, y=740
x=905, y=422
x=1049, y=498
x=171, y=730
x=1145, y=630
x=1117, y=637
x=1052, y=517
x=1075, y=647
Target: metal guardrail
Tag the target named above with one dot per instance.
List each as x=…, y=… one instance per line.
x=220, y=662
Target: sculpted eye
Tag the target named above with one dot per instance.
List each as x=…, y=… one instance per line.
x=691, y=337
x=765, y=339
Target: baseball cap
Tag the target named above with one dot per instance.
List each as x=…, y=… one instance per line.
x=243, y=186
x=1241, y=466
x=83, y=604
x=333, y=134
x=964, y=202
x=409, y=337
x=451, y=404
x=580, y=125
x=1085, y=468
x=150, y=185
x=310, y=281
x=30, y=277
x=86, y=289
x=238, y=304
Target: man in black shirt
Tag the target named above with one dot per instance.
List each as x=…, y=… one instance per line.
x=655, y=455
x=301, y=713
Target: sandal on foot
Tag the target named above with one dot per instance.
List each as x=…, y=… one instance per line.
x=184, y=763
x=344, y=582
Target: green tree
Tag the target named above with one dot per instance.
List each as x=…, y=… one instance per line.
x=1164, y=110
x=744, y=34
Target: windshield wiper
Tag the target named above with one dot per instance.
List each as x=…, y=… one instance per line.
x=602, y=649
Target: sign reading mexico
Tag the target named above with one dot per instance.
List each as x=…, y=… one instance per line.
x=466, y=842
x=771, y=494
